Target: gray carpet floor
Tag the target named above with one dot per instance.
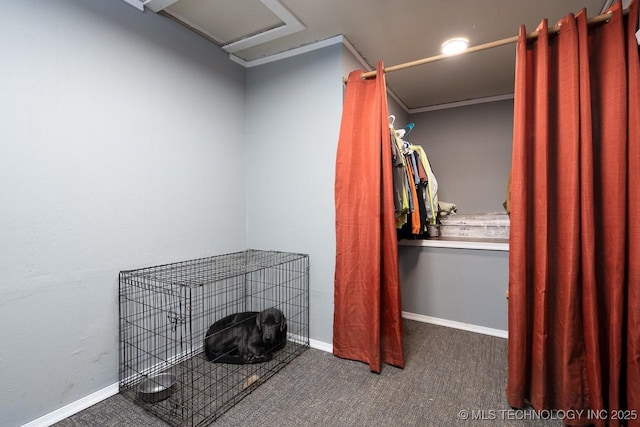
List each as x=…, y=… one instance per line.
x=451, y=377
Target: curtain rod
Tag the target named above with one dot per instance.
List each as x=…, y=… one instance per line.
x=532, y=35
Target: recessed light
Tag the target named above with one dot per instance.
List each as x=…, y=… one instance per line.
x=454, y=46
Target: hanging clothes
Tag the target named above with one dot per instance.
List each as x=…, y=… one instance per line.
x=415, y=211
x=417, y=184
x=431, y=187
x=400, y=203
x=400, y=181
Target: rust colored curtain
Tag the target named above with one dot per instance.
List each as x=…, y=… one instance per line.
x=367, y=322
x=574, y=279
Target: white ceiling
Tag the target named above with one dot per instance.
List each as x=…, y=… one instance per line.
x=392, y=31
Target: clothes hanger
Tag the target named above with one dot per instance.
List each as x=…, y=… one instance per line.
x=408, y=128
x=405, y=130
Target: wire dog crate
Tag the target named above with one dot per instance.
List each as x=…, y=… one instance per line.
x=165, y=312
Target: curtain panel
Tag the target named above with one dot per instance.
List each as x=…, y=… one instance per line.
x=367, y=312
x=574, y=279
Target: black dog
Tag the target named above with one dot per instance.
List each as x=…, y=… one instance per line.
x=247, y=337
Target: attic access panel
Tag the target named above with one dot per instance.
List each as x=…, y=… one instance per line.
x=225, y=21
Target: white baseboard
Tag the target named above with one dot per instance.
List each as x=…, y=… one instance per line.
x=321, y=345
x=456, y=325
x=100, y=395
x=74, y=407
x=328, y=347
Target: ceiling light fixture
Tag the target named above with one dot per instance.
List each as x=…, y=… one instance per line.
x=454, y=46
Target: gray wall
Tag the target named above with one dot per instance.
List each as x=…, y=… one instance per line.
x=470, y=152
x=293, y=116
x=122, y=135
x=461, y=285
x=129, y=141
x=294, y=108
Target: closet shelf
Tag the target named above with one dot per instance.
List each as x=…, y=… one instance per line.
x=444, y=242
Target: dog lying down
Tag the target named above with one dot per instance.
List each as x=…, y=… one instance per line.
x=246, y=337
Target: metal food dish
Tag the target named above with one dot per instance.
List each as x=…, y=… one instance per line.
x=157, y=387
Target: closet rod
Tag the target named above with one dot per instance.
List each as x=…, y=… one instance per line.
x=532, y=35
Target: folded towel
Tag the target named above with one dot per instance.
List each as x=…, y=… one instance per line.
x=446, y=208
